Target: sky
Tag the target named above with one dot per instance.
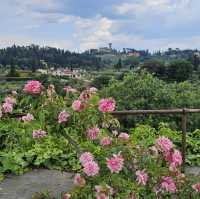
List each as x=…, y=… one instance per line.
x=78, y=25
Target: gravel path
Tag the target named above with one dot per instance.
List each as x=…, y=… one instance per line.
x=22, y=187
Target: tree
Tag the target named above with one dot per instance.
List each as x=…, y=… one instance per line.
x=118, y=66
x=131, y=61
x=155, y=66
x=13, y=72
x=101, y=81
x=179, y=70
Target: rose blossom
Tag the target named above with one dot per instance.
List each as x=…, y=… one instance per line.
x=93, y=89
x=174, y=158
x=69, y=89
x=66, y=196
x=93, y=133
x=91, y=168
x=124, y=136
x=79, y=181
x=106, y=141
x=86, y=157
x=77, y=105
x=106, y=105
x=63, y=117
x=133, y=195
x=115, y=163
x=103, y=191
x=168, y=184
x=33, y=87
x=39, y=133
x=196, y=187
x=164, y=144
x=101, y=196
x=7, y=107
x=142, y=177
x=85, y=95
x=27, y=118
x=10, y=100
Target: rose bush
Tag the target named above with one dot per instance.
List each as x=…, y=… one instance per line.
x=77, y=132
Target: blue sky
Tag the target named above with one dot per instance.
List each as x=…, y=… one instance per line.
x=82, y=24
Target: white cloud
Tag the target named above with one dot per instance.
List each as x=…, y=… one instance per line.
x=92, y=33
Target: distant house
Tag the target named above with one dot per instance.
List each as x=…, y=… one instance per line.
x=73, y=73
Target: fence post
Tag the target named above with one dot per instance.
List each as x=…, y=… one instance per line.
x=184, y=129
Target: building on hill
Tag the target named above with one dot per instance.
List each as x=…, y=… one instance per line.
x=67, y=72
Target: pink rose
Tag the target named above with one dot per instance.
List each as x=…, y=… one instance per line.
x=63, y=117
x=33, y=87
x=66, y=196
x=79, y=181
x=39, y=133
x=106, y=105
x=168, y=184
x=106, y=141
x=196, y=187
x=93, y=89
x=142, y=177
x=7, y=107
x=77, y=105
x=86, y=157
x=69, y=89
x=27, y=118
x=91, y=168
x=124, y=136
x=10, y=100
x=115, y=164
x=93, y=133
x=164, y=144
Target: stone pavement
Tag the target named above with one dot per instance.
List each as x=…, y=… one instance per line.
x=22, y=187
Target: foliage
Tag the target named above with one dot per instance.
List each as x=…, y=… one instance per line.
x=33, y=57
x=13, y=72
x=87, y=124
x=118, y=65
x=155, y=66
x=101, y=81
x=141, y=90
x=179, y=70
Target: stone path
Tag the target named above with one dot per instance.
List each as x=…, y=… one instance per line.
x=22, y=187
x=193, y=170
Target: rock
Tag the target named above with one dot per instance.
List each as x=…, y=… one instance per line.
x=24, y=186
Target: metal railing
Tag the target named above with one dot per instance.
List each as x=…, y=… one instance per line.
x=183, y=112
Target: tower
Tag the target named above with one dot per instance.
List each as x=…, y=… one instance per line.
x=110, y=45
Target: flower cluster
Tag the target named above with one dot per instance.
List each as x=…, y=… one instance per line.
x=39, y=133
x=90, y=167
x=33, y=87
